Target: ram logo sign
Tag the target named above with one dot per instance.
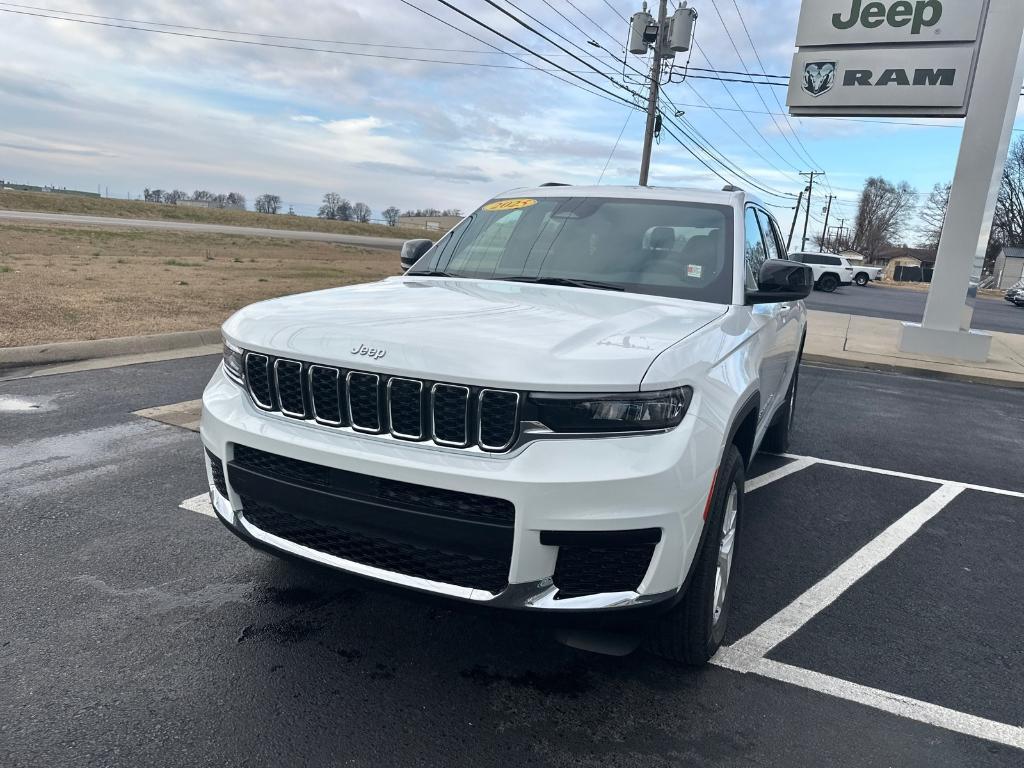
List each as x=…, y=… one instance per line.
x=819, y=76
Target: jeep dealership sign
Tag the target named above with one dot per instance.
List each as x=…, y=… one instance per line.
x=898, y=58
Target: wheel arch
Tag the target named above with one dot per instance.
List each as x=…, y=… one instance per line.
x=743, y=430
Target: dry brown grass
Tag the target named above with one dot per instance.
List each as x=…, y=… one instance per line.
x=62, y=283
x=54, y=202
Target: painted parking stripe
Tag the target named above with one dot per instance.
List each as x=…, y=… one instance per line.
x=200, y=504
x=908, y=476
x=787, y=621
x=777, y=474
x=893, y=703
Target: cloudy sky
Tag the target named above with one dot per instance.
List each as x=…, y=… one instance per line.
x=85, y=105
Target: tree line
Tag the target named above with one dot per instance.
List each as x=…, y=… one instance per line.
x=339, y=208
x=173, y=197
x=888, y=211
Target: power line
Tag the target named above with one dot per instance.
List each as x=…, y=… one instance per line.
x=774, y=94
x=757, y=91
x=448, y=24
x=614, y=147
x=283, y=46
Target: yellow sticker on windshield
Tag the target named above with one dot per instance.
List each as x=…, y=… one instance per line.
x=510, y=205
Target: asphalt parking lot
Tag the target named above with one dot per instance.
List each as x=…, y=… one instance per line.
x=905, y=304
x=877, y=621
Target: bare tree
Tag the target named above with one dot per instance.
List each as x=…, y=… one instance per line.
x=933, y=215
x=331, y=203
x=202, y=195
x=268, y=203
x=361, y=212
x=1008, y=224
x=172, y=198
x=234, y=200
x=390, y=215
x=881, y=214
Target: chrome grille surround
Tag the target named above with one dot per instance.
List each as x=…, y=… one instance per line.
x=458, y=393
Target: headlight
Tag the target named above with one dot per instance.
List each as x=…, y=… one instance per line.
x=619, y=412
x=233, y=364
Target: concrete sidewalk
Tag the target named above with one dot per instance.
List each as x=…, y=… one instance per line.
x=873, y=343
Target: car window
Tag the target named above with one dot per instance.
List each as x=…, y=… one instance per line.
x=808, y=258
x=771, y=244
x=831, y=260
x=753, y=248
x=661, y=247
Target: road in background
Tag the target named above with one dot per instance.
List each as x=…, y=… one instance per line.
x=990, y=314
x=138, y=633
x=389, y=243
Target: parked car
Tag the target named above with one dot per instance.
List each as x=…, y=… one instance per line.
x=830, y=272
x=552, y=411
x=1015, y=293
x=863, y=275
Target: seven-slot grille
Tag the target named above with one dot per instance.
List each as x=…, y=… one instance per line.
x=409, y=409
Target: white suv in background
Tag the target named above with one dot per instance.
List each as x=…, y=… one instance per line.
x=830, y=271
x=551, y=411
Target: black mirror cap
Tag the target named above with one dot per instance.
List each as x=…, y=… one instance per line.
x=412, y=250
x=781, y=280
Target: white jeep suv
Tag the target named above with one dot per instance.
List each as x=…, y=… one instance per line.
x=552, y=410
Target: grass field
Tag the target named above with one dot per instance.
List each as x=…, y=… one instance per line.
x=61, y=283
x=52, y=202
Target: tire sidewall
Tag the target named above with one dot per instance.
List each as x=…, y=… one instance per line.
x=714, y=633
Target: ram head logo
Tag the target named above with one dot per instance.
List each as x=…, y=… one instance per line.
x=819, y=77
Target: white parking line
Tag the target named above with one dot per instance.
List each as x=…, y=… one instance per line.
x=893, y=703
x=777, y=474
x=787, y=621
x=200, y=504
x=908, y=476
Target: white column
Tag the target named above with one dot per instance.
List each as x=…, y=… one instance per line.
x=972, y=200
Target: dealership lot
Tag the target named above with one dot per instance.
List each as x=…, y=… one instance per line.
x=877, y=621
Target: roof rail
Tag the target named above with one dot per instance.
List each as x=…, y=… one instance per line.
x=555, y=184
x=731, y=188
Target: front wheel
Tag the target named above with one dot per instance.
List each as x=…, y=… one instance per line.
x=693, y=630
x=861, y=279
x=828, y=283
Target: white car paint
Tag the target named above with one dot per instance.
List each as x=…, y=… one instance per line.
x=529, y=338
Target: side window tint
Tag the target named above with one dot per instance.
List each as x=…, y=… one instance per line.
x=771, y=244
x=753, y=249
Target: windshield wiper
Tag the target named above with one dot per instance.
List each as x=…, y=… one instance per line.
x=565, y=281
x=434, y=273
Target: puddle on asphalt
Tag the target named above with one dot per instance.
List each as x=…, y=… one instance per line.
x=12, y=404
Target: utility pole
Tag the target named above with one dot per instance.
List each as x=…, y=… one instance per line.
x=796, y=214
x=807, y=213
x=824, y=234
x=668, y=37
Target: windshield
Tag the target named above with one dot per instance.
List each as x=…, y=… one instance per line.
x=656, y=247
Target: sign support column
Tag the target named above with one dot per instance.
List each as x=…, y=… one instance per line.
x=972, y=200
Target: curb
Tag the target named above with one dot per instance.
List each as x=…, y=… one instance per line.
x=927, y=373
x=73, y=351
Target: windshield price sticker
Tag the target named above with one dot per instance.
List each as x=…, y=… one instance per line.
x=510, y=205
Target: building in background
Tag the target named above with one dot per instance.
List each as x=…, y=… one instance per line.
x=429, y=223
x=1009, y=267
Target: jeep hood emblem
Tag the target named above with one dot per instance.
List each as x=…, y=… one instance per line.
x=362, y=349
x=819, y=76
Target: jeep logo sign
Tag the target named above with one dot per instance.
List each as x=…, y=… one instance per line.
x=872, y=22
x=925, y=13
x=886, y=57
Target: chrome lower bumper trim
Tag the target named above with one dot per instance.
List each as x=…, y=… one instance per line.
x=540, y=595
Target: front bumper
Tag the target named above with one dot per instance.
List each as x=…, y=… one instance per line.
x=659, y=481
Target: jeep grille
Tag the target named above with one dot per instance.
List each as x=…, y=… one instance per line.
x=452, y=415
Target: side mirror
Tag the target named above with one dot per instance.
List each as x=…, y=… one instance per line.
x=781, y=280
x=412, y=250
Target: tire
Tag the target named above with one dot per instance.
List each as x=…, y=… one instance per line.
x=861, y=279
x=828, y=283
x=693, y=630
x=776, y=438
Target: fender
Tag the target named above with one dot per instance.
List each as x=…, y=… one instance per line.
x=752, y=403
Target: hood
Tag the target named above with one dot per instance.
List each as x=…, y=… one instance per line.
x=483, y=332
